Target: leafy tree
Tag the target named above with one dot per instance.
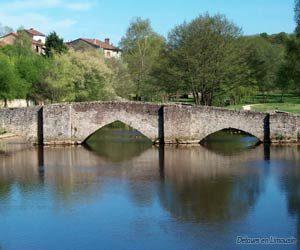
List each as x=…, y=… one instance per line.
x=28, y=64
x=292, y=65
x=93, y=78
x=54, y=44
x=205, y=57
x=289, y=75
x=121, y=80
x=264, y=60
x=57, y=84
x=5, y=30
x=276, y=39
x=10, y=86
x=23, y=42
x=297, y=17
x=141, y=47
x=76, y=76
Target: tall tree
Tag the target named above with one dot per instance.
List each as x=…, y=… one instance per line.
x=141, y=47
x=93, y=78
x=264, y=60
x=290, y=78
x=121, y=79
x=54, y=44
x=297, y=17
x=206, y=57
x=10, y=84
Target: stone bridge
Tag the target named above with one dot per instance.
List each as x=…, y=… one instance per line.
x=72, y=123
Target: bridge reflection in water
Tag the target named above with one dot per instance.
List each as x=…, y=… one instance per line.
x=193, y=184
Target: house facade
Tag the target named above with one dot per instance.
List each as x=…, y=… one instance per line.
x=108, y=49
x=37, y=40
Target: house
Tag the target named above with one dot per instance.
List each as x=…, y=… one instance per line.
x=108, y=49
x=37, y=39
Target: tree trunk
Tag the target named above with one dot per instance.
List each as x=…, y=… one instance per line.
x=196, y=97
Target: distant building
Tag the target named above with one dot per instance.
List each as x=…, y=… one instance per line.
x=108, y=49
x=37, y=39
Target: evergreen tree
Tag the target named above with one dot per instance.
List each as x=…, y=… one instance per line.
x=54, y=44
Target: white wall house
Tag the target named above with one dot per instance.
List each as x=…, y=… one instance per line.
x=36, y=35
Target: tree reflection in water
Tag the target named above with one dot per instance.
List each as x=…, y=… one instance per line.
x=289, y=179
x=203, y=186
x=230, y=141
x=118, y=142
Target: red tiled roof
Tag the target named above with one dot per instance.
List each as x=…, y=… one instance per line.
x=15, y=34
x=98, y=43
x=34, y=32
x=11, y=33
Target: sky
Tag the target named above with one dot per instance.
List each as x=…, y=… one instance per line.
x=72, y=19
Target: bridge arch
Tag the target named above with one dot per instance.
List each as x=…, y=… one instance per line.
x=234, y=130
x=88, y=118
x=110, y=123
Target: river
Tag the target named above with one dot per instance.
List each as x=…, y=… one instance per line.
x=120, y=192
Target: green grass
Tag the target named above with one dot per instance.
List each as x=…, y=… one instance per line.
x=237, y=106
x=276, y=98
x=185, y=100
x=272, y=102
x=2, y=131
x=269, y=107
x=285, y=107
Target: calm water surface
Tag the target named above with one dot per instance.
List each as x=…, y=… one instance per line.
x=127, y=194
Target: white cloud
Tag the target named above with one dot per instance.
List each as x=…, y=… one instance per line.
x=26, y=5
x=34, y=20
x=41, y=14
x=78, y=6
x=43, y=5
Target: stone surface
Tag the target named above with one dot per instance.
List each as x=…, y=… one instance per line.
x=21, y=121
x=68, y=123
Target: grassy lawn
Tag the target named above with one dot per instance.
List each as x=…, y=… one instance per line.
x=273, y=102
x=286, y=107
x=289, y=103
x=268, y=107
x=2, y=131
x=237, y=106
x=276, y=98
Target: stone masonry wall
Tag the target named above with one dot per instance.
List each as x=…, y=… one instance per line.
x=74, y=122
x=21, y=121
x=191, y=124
x=57, y=124
x=89, y=117
x=284, y=127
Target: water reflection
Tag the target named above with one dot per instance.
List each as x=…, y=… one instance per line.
x=289, y=178
x=118, y=142
x=197, y=191
x=230, y=141
x=202, y=186
x=197, y=183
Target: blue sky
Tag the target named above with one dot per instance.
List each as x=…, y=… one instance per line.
x=72, y=19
